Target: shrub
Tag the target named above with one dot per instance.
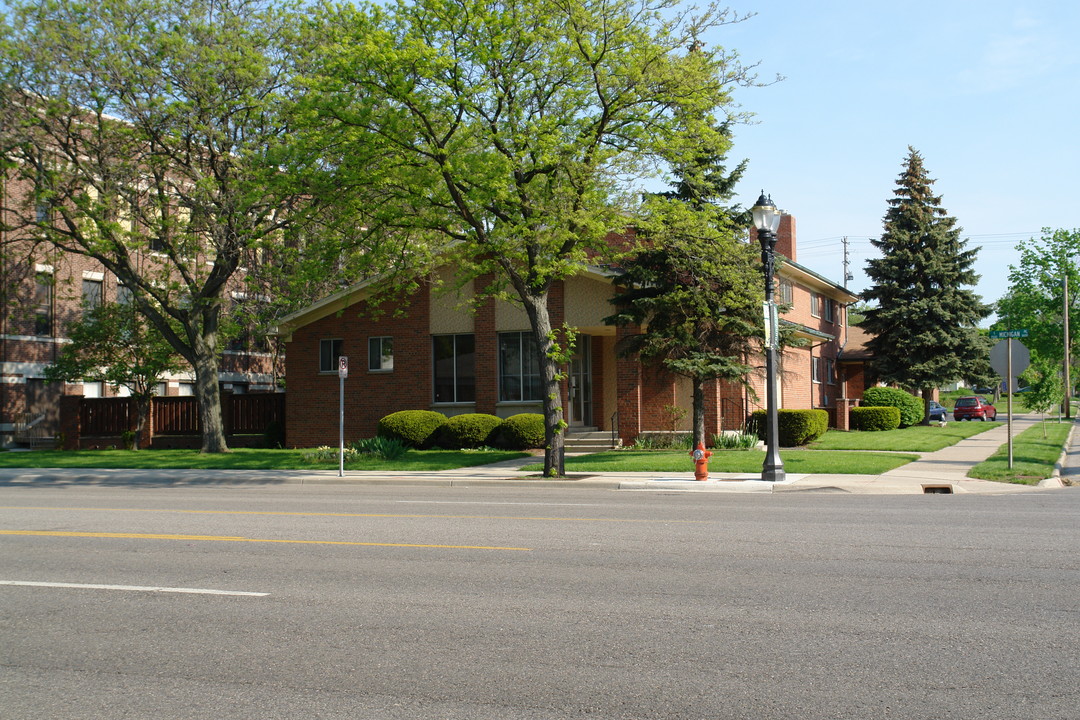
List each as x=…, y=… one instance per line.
x=736, y=440
x=663, y=441
x=413, y=427
x=471, y=430
x=910, y=407
x=325, y=453
x=797, y=427
x=875, y=418
x=385, y=447
x=520, y=432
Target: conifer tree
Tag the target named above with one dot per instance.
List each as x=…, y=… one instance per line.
x=925, y=313
x=693, y=284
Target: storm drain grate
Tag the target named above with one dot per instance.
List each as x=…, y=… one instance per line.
x=937, y=489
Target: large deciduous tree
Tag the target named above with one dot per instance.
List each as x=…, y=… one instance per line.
x=1035, y=300
x=693, y=285
x=924, y=321
x=506, y=132
x=153, y=134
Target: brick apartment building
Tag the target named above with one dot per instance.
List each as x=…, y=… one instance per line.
x=439, y=355
x=43, y=291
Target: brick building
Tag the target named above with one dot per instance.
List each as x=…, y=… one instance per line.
x=433, y=352
x=43, y=290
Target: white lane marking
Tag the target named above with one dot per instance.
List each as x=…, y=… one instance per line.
x=134, y=588
x=477, y=502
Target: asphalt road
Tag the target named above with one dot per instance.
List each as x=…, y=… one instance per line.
x=472, y=604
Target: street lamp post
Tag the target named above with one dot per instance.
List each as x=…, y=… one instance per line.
x=767, y=220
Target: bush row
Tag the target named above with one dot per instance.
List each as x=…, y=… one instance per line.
x=797, y=427
x=910, y=407
x=426, y=429
x=875, y=418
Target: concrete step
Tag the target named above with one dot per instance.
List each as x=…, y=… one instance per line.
x=586, y=441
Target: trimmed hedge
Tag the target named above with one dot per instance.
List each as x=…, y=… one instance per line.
x=413, y=427
x=910, y=407
x=520, y=432
x=471, y=430
x=797, y=427
x=874, y=418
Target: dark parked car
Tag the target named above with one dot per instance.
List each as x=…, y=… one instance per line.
x=974, y=407
x=938, y=411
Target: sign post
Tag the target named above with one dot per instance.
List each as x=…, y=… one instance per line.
x=1009, y=379
x=342, y=373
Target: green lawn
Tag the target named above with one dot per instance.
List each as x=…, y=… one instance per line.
x=918, y=438
x=741, y=461
x=1033, y=456
x=243, y=459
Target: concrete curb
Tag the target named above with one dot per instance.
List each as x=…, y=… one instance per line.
x=1055, y=477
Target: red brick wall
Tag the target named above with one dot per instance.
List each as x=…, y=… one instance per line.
x=785, y=237
x=312, y=412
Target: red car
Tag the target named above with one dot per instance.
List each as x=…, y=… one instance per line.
x=974, y=407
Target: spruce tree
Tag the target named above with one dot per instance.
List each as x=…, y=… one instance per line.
x=693, y=284
x=925, y=312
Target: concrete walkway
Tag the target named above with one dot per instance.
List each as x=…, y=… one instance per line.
x=942, y=471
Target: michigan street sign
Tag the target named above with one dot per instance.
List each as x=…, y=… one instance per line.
x=995, y=334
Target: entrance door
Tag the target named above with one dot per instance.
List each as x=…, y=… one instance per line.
x=579, y=414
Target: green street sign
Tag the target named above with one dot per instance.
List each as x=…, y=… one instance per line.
x=995, y=334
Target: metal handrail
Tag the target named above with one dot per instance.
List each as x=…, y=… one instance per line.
x=614, y=428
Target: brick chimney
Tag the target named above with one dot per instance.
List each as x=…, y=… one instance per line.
x=785, y=237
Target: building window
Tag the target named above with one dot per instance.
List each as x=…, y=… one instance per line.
x=830, y=371
x=786, y=292
x=91, y=293
x=380, y=354
x=519, y=368
x=454, y=361
x=43, y=304
x=124, y=296
x=329, y=352
x=815, y=304
x=815, y=369
x=830, y=309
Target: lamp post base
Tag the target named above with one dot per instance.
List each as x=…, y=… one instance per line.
x=773, y=474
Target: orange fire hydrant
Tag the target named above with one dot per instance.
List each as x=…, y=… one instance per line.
x=701, y=461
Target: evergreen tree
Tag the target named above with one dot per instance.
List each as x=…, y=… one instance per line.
x=924, y=321
x=694, y=285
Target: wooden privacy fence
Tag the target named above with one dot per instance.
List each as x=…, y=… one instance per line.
x=244, y=414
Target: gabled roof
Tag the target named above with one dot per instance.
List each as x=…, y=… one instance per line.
x=806, y=276
x=855, y=349
x=357, y=292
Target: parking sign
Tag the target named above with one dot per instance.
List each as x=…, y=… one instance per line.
x=343, y=367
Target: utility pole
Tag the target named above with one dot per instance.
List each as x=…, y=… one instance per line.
x=1065, y=318
x=848, y=277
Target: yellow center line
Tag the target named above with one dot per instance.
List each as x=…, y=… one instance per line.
x=352, y=515
x=228, y=538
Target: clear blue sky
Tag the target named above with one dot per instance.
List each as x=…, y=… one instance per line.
x=987, y=91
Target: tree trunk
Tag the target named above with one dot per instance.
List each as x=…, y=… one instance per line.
x=550, y=373
x=208, y=396
x=699, y=412
x=927, y=396
x=142, y=418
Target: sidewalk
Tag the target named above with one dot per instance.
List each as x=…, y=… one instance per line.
x=944, y=470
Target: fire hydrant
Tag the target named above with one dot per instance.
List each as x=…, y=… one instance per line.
x=701, y=461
